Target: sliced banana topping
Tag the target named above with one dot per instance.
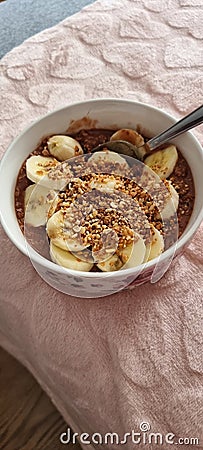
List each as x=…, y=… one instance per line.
x=131, y=256
x=48, y=172
x=37, y=167
x=156, y=245
x=66, y=259
x=108, y=157
x=171, y=202
x=38, y=202
x=162, y=162
x=111, y=265
x=129, y=135
x=106, y=183
x=64, y=147
x=132, y=136
x=61, y=235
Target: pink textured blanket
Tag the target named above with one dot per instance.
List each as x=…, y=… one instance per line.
x=110, y=364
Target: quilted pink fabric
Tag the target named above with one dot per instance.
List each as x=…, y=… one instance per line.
x=109, y=364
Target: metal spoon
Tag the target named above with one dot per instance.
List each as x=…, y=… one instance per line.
x=126, y=148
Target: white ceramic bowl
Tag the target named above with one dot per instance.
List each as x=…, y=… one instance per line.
x=108, y=113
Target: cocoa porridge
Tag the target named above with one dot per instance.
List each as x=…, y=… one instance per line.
x=100, y=235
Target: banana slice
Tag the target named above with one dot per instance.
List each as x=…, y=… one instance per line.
x=108, y=157
x=134, y=254
x=126, y=134
x=111, y=264
x=171, y=204
x=64, y=147
x=106, y=183
x=132, y=136
x=47, y=171
x=38, y=201
x=38, y=166
x=162, y=162
x=62, y=236
x=156, y=246
x=66, y=259
x=131, y=256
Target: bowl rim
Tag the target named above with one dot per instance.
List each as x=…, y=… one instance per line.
x=35, y=257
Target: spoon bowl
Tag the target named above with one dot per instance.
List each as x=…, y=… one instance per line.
x=119, y=146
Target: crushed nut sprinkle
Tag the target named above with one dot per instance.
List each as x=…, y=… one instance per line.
x=129, y=200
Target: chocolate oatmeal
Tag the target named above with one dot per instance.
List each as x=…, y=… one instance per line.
x=124, y=223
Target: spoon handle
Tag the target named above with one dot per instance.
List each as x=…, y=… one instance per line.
x=192, y=120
